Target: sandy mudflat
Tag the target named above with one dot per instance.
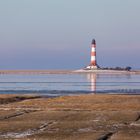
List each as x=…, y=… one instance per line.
x=82, y=117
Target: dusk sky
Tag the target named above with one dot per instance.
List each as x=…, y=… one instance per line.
x=56, y=34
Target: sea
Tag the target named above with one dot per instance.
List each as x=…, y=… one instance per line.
x=69, y=84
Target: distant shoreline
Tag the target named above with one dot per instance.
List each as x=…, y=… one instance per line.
x=68, y=71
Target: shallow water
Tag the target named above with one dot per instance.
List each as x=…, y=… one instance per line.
x=68, y=84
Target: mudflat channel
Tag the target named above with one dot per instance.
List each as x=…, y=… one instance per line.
x=80, y=117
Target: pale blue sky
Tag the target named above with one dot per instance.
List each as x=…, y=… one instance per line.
x=56, y=34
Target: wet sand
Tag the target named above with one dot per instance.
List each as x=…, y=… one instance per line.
x=81, y=117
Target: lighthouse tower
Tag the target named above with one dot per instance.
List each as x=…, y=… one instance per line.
x=93, y=63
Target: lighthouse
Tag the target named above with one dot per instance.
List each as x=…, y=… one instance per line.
x=93, y=62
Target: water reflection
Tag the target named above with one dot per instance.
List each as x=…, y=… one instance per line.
x=92, y=79
x=61, y=84
x=110, y=82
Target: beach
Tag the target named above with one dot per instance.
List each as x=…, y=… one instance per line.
x=79, y=117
